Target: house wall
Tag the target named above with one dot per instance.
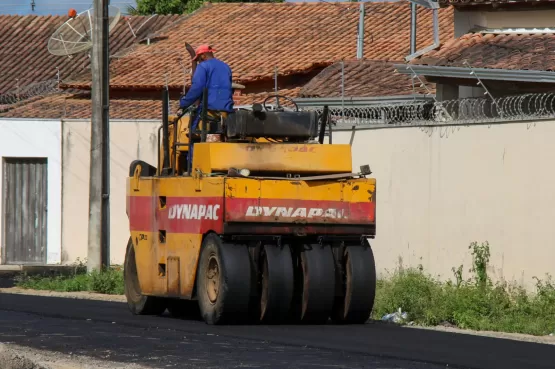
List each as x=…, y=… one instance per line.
x=37, y=139
x=439, y=189
x=465, y=20
x=129, y=140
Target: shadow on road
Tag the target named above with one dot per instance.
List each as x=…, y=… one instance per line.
x=347, y=345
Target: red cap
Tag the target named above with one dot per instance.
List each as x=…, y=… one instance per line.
x=205, y=48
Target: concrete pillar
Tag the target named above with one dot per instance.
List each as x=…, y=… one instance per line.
x=466, y=92
x=446, y=92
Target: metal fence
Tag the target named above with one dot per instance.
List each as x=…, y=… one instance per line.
x=523, y=107
x=22, y=93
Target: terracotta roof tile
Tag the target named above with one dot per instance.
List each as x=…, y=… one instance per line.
x=78, y=106
x=248, y=99
x=24, y=53
x=254, y=38
x=363, y=78
x=496, y=51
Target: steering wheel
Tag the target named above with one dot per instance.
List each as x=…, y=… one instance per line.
x=278, y=96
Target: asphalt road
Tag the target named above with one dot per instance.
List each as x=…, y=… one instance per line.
x=107, y=330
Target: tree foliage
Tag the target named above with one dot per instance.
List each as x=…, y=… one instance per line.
x=147, y=7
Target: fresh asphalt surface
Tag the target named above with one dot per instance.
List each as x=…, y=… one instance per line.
x=107, y=330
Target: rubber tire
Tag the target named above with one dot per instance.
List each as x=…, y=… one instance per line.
x=280, y=283
x=184, y=309
x=317, y=298
x=138, y=303
x=360, y=293
x=235, y=273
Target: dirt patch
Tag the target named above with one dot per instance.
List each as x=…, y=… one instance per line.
x=16, y=357
x=10, y=359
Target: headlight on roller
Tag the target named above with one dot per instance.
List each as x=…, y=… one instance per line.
x=245, y=172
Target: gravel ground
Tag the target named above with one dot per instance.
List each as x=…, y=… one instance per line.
x=120, y=298
x=17, y=357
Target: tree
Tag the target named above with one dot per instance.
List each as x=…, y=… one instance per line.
x=147, y=7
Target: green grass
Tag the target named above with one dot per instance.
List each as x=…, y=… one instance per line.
x=108, y=282
x=473, y=303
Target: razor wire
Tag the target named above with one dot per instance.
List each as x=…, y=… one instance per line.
x=525, y=107
x=22, y=93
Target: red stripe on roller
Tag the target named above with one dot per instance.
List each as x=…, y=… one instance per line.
x=141, y=213
x=181, y=214
x=299, y=211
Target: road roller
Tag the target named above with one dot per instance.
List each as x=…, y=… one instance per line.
x=251, y=217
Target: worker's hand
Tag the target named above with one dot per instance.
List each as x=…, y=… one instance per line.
x=179, y=112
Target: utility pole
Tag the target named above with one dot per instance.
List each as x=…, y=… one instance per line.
x=98, y=254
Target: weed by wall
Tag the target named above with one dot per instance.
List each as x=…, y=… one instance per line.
x=473, y=303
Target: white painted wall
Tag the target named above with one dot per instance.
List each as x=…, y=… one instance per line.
x=466, y=20
x=40, y=139
x=129, y=140
x=439, y=189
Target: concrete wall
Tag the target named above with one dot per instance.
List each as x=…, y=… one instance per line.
x=129, y=140
x=38, y=139
x=439, y=189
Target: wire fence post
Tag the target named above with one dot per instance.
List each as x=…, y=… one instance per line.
x=480, y=83
x=427, y=111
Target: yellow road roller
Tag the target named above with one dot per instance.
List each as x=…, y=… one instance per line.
x=251, y=217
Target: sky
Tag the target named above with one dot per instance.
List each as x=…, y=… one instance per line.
x=58, y=7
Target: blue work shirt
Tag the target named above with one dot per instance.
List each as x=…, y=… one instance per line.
x=216, y=76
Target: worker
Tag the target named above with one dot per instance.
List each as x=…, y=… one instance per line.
x=216, y=76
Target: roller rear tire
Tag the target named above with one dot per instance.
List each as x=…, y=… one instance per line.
x=359, y=284
x=315, y=287
x=277, y=283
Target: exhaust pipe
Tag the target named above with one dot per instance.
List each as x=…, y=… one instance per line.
x=324, y=118
x=165, y=131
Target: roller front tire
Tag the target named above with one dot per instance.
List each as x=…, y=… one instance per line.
x=223, y=282
x=138, y=303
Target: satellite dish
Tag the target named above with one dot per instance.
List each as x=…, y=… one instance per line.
x=75, y=35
